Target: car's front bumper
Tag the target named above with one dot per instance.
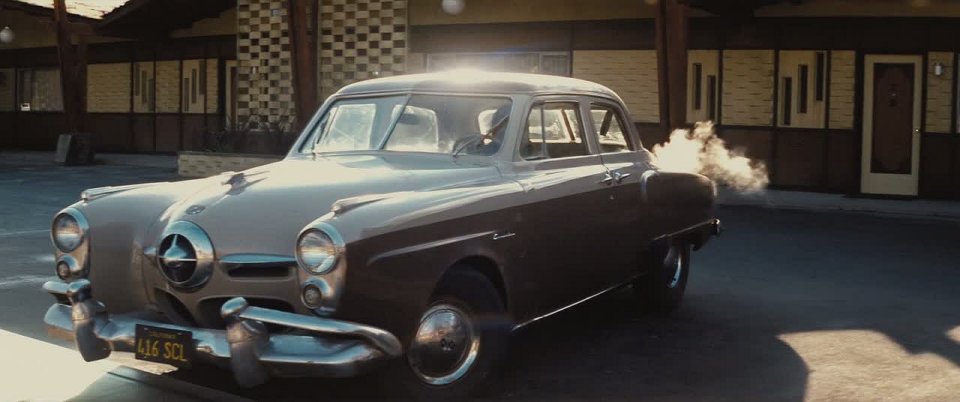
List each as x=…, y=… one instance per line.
x=323, y=347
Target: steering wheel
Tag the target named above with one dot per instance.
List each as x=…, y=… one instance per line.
x=463, y=142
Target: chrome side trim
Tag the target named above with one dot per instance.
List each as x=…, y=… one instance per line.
x=507, y=235
x=574, y=304
x=426, y=246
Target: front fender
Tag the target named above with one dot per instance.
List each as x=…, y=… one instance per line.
x=402, y=246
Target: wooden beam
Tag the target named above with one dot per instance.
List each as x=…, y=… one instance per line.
x=303, y=52
x=671, y=42
x=73, y=68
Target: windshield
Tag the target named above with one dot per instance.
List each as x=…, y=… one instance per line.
x=412, y=123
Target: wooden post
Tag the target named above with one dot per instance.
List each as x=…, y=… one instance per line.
x=73, y=67
x=671, y=41
x=303, y=52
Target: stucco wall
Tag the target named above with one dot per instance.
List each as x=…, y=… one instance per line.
x=748, y=87
x=630, y=73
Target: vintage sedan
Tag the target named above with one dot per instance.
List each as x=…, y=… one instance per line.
x=416, y=222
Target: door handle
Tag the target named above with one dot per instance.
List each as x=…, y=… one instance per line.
x=620, y=176
x=916, y=131
x=607, y=179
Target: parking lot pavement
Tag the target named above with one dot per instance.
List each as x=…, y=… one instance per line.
x=785, y=306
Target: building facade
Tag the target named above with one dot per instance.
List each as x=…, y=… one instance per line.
x=840, y=96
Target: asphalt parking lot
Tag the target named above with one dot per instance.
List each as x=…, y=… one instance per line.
x=785, y=306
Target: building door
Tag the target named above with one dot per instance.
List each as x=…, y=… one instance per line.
x=891, y=124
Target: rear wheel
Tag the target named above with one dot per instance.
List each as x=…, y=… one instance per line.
x=462, y=335
x=662, y=288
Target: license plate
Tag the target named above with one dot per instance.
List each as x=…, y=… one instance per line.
x=162, y=345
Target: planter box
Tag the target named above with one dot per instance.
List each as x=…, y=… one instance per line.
x=205, y=164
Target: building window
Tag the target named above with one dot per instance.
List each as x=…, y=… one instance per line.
x=554, y=63
x=39, y=90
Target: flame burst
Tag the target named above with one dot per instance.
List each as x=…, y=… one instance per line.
x=701, y=151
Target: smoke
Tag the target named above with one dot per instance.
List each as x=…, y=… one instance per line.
x=701, y=151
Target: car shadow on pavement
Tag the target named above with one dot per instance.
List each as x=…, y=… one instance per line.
x=786, y=306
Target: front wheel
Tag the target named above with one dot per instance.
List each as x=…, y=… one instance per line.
x=462, y=335
x=661, y=289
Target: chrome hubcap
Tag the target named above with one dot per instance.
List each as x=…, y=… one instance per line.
x=445, y=347
x=677, y=268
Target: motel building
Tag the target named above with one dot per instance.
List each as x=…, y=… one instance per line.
x=843, y=96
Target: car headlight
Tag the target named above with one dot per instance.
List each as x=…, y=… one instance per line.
x=68, y=231
x=318, y=251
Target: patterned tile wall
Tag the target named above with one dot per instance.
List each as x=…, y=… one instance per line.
x=361, y=39
x=748, y=87
x=939, y=92
x=265, y=87
x=7, y=85
x=842, y=83
x=630, y=73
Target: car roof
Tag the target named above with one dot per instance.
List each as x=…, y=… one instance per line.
x=477, y=81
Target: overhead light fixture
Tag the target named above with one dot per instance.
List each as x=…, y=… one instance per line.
x=453, y=7
x=7, y=35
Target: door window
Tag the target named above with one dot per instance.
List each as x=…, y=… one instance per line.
x=554, y=130
x=609, y=126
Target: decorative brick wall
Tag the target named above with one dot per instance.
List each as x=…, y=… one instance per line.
x=632, y=74
x=939, y=93
x=842, y=83
x=361, y=39
x=8, y=99
x=748, y=87
x=108, y=88
x=205, y=164
x=168, y=86
x=213, y=89
x=265, y=87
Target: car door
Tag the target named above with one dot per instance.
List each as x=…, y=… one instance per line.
x=563, y=181
x=624, y=158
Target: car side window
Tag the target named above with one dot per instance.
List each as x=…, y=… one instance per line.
x=554, y=130
x=609, y=125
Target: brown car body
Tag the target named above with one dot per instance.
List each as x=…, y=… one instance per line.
x=547, y=233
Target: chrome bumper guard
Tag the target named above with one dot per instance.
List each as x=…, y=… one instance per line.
x=335, y=348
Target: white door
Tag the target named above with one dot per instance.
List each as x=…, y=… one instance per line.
x=891, y=124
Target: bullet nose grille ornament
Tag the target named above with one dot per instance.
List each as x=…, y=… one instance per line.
x=185, y=255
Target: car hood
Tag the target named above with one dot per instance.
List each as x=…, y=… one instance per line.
x=262, y=210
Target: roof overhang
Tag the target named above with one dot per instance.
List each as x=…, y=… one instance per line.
x=150, y=19
x=39, y=11
x=733, y=7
